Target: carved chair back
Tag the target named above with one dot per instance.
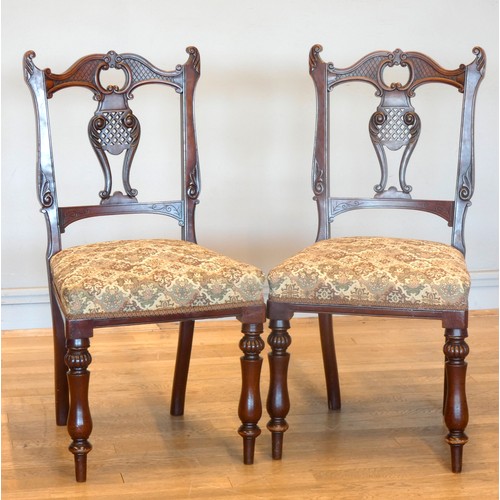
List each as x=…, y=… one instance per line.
x=395, y=125
x=114, y=129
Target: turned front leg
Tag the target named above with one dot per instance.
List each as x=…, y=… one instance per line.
x=250, y=407
x=456, y=414
x=79, y=420
x=278, y=401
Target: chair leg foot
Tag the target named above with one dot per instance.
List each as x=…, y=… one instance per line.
x=277, y=439
x=456, y=454
x=249, y=433
x=278, y=401
x=80, y=449
x=250, y=406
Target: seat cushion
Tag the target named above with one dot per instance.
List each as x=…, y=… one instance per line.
x=374, y=272
x=137, y=277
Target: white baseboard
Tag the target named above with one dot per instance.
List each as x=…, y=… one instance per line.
x=484, y=290
x=26, y=308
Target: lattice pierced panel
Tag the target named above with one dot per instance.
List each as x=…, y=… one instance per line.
x=116, y=130
x=394, y=128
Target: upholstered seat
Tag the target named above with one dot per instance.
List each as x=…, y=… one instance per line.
x=132, y=277
x=374, y=271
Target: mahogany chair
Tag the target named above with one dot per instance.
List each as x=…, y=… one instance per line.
x=381, y=276
x=135, y=281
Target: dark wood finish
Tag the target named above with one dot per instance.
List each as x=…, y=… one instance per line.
x=60, y=368
x=359, y=457
x=250, y=407
x=186, y=331
x=114, y=129
x=329, y=361
x=456, y=414
x=396, y=96
x=278, y=401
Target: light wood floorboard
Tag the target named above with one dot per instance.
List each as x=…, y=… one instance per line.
x=387, y=442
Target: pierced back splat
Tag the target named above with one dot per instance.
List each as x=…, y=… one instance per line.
x=394, y=125
x=115, y=130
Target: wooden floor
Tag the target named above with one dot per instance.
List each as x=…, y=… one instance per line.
x=387, y=442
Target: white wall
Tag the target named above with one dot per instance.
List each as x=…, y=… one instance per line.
x=255, y=115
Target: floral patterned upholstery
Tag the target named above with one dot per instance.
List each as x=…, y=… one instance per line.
x=137, y=277
x=377, y=272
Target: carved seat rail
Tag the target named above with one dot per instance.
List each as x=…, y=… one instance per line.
x=68, y=215
x=442, y=208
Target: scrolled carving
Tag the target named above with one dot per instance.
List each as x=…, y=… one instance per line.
x=411, y=119
x=467, y=185
x=314, y=57
x=480, y=58
x=421, y=67
x=318, y=178
x=47, y=199
x=96, y=125
x=392, y=193
x=29, y=65
x=396, y=57
x=174, y=210
x=378, y=118
x=193, y=187
x=194, y=57
x=46, y=194
x=130, y=121
x=99, y=122
x=113, y=60
x=337, y=208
